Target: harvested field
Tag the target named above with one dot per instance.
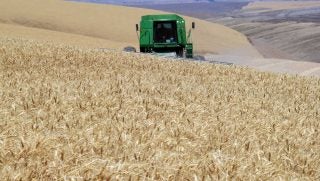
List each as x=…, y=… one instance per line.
x=69, y=113
x=107, y=25
x=198, y=10
x=43, y=35
x=281, y=5
x=287, y=30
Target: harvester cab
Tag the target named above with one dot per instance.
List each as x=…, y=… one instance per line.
x=165, y=34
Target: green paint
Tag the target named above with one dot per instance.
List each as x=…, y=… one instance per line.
x=165, y=33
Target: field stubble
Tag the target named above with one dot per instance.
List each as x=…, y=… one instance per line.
x=68, y=113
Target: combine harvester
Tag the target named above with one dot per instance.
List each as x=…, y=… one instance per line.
x=165, y=35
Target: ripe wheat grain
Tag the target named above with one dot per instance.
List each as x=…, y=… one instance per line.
x=76, y=114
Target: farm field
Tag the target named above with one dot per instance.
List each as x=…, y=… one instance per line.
x=278, y=29
x=70, y=113
x=281, y=5
x=107, y=25
x=74, y=107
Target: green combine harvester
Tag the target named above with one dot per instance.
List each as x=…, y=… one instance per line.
x=165, y=34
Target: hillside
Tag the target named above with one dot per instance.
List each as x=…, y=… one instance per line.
x=38, y=34
x=136, y=2
x=68, y=113
x=114, y=24
x=281, y=5
x=278, y=29
x=288, y=30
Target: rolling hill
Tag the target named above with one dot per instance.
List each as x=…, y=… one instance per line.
x=290, y=29
x=109, y=26
x=131, y=2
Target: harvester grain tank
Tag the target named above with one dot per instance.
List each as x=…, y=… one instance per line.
x=165, y=33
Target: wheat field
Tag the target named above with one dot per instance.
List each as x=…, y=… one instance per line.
x=85, y=114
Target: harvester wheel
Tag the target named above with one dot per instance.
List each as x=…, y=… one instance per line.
x=181, y=53
x=129, y=49
x=143, y=50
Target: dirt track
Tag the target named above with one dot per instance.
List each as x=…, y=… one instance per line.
x=271, y=65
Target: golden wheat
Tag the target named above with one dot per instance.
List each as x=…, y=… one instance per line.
x=74, y=114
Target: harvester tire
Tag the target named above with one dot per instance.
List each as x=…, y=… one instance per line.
x=129, y=49
x=181, y=53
